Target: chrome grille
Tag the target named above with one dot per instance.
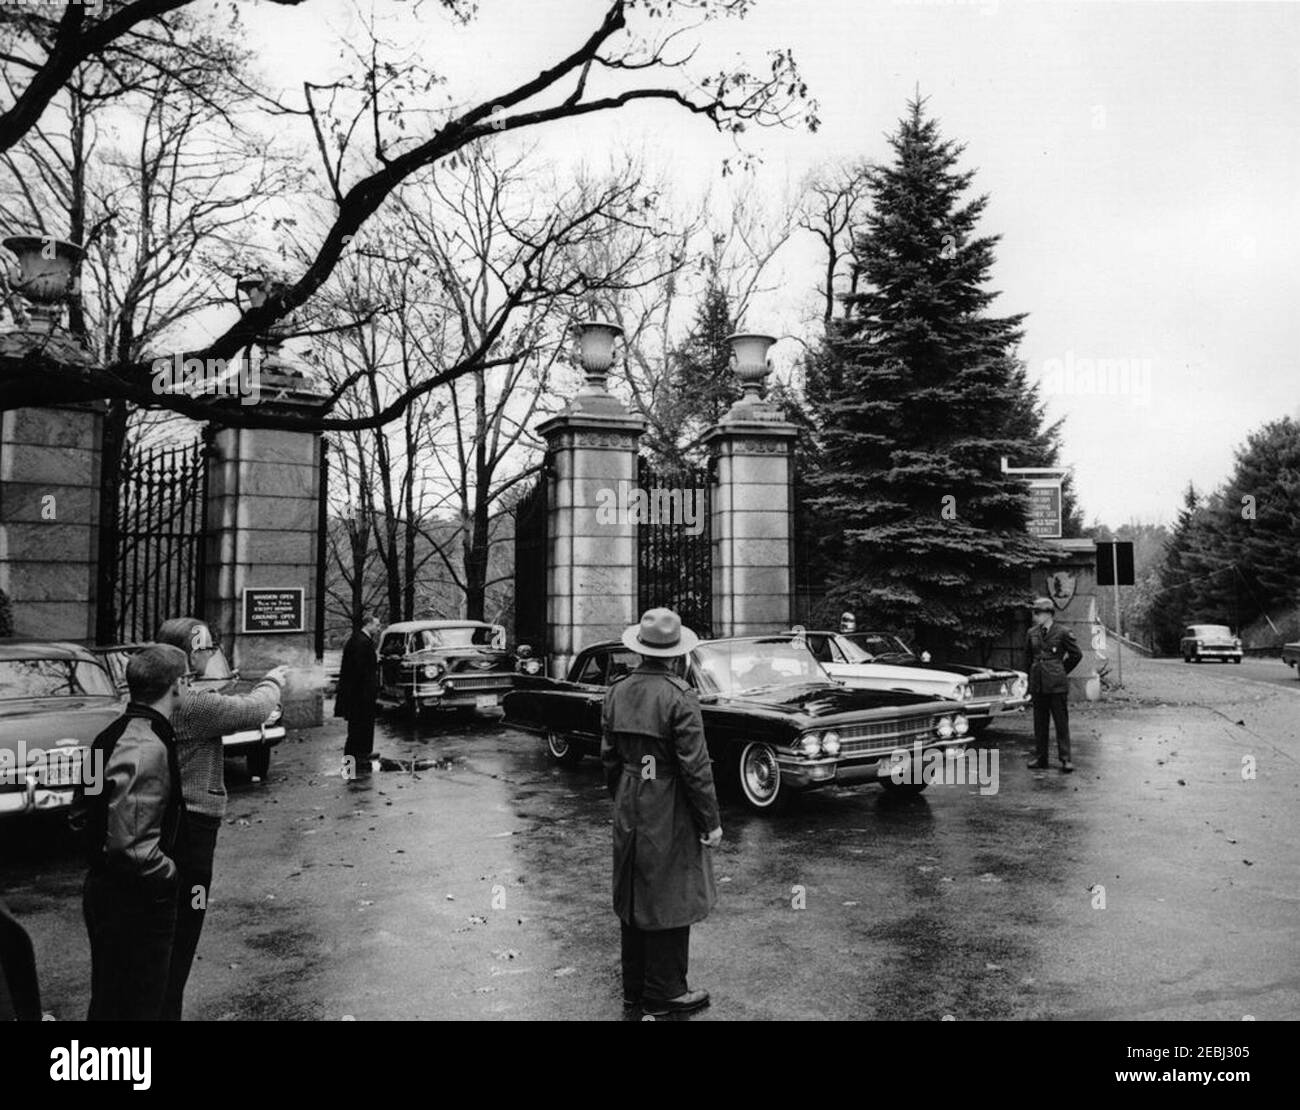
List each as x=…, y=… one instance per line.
x=989, y=687
x=885, y=736
x=475, y=683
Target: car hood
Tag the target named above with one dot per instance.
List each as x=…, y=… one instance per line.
x=45, y=721
x=966, y=670
x=891, y=672
x=821, y=700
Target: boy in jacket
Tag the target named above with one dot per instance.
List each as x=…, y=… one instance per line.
x=131, y=830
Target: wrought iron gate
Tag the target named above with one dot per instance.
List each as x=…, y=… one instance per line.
x=674, y=554
x=530, y=566
x=160, y=549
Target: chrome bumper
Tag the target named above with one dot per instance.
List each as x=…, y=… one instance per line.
x=34, y=799
x=979, y=709
x=252, y=738
x=803, y=774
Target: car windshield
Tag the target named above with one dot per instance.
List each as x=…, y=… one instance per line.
x=871, y=644
x=467, y=635
x=735, y=666
x=53, y=678
x=1211, y=630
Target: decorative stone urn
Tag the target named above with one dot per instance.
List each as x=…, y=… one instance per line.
x=749, y=351
x=44, y=274
x=43, y=279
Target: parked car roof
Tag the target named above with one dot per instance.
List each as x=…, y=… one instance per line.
x=415, y=626
x=44, y=649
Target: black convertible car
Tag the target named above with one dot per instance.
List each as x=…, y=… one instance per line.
x=775, y=722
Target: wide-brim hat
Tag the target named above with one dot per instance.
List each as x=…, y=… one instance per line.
x=1043, y=605
x=660, y=634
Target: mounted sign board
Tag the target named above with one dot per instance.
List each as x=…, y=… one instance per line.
x=273, y=609
x=1044, y=518
x=1115, y=563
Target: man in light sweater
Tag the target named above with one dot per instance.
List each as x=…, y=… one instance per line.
x=201, y=719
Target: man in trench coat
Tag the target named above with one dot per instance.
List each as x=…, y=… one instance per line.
x=1053, y=654
x=357, y=688
x=665, y=816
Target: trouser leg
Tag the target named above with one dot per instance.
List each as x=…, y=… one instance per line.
x=131, y=946
x=361, y=737
x=1042, y=713
x=633, y=958
x=192, y=895
x=667, y=952
x=93, y=908
x=1061, y=719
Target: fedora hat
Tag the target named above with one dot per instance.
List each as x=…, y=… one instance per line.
x=1043, y=605
x=660, y=635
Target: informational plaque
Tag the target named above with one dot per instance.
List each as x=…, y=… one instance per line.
x=273, y=609
x=1045, y=509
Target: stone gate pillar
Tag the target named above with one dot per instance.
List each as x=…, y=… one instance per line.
x=592, y=546
x=49, y=519
x=751, y=452
x=264, y=542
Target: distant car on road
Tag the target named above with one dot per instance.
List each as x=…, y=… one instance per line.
x=460, y=665
x=775, y=722
x=55, y=698
x=1209, y=641
x=1291, y=656
x=994, y=691
x=253, y=744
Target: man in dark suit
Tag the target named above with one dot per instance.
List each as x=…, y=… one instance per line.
x=357, y=688
x=1053, y=654
x=665, y=816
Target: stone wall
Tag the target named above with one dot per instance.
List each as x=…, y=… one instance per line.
x=49, y=519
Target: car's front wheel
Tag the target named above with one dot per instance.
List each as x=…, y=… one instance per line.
x=562, y=749
x=759, y=777
x=258, y=761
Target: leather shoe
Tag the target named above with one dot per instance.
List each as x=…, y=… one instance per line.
x=1037, y=765
x=682, y=1004
x=1067, y=766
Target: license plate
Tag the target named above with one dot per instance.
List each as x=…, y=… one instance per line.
x=485, y=701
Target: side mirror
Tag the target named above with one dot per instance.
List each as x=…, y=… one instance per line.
x=524, y=651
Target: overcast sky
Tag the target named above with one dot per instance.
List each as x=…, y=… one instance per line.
x=1142, y=159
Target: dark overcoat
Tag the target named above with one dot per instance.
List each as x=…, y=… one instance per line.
x=358, y=678
x=1053, y=654
x=658, y=772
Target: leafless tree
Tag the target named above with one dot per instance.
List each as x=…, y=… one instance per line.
x=375, y=134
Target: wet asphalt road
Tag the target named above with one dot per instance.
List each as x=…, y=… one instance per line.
x=473, y=882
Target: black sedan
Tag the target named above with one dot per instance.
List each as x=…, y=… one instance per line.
x=775, y=722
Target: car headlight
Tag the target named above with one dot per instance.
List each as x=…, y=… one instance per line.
x=276, y=714
x=530, y=666
x=810, y=745
x=1020, y=687
x=432, y=670
x=1004, y=690
x=831, y=743
x=944, y=728
x=961, y=691
x=960, y=725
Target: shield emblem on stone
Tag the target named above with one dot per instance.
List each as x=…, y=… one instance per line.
x=1060, y=588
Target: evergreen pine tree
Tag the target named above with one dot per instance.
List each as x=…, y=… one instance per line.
x=918, y=395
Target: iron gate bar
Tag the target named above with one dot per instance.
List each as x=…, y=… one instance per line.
x=674, y=567
x=159, y=552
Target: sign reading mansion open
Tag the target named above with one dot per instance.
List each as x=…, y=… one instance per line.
x=273, y=609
